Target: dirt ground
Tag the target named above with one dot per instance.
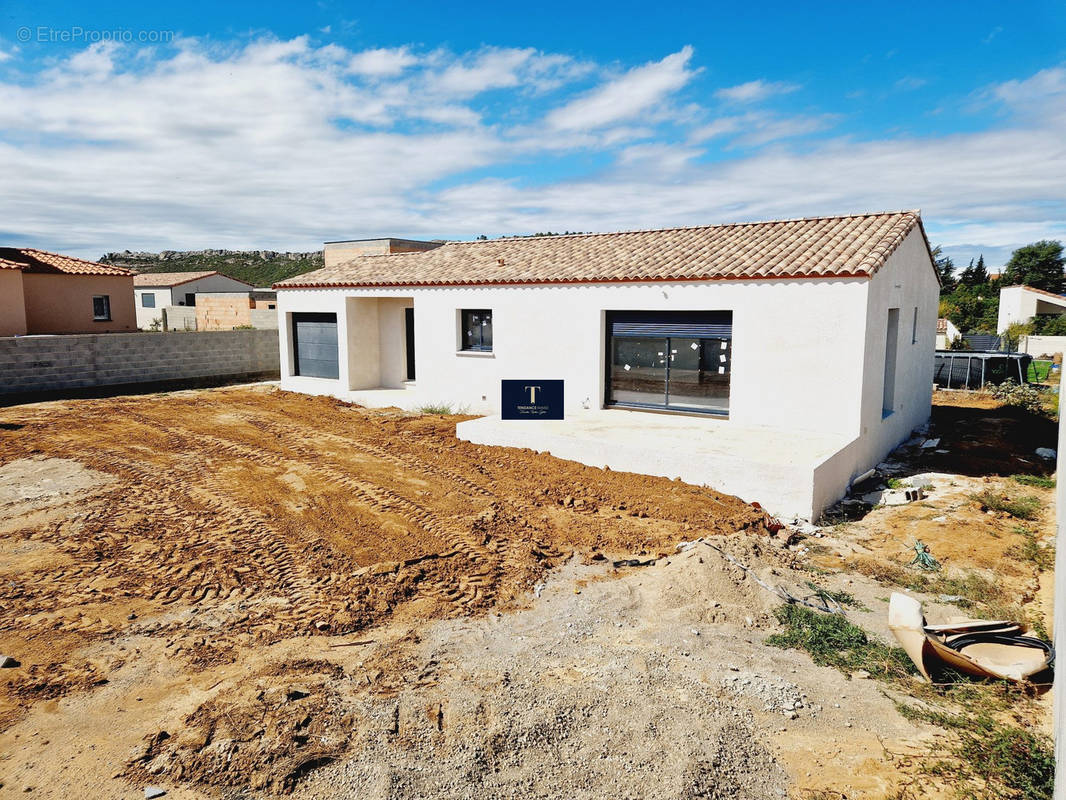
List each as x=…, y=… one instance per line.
x=250, y=593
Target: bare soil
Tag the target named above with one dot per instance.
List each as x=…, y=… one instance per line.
x=250, y=593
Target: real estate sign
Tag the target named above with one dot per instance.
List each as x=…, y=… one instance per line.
x=531, y=399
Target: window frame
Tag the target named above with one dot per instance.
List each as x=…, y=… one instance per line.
x=676, y=320
x=480, y=346
x=144, y=297
x=105, y=316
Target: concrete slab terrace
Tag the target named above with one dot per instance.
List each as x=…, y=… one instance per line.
x=790, y=474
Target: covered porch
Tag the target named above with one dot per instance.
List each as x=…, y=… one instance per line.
x=791, y=474
x=367, y=344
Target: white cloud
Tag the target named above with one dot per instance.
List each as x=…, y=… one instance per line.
x=909, y=83
x=382, y=62
x=755, y=91
x=276, y=144
x=758, y=128
x=627, y=96
x=502, y=68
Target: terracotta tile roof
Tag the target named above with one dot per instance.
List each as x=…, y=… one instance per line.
x=848, y=246
x=28, y=259
x=170, y=278
x=1044, y=292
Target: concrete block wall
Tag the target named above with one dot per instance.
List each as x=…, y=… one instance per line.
x=32, y=364
x=264, y=318
x=181, y=318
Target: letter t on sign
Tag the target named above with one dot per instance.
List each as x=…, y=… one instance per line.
x=532, y=393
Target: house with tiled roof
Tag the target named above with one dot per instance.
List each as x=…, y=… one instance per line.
x=156, y=291
x=42, y=292
x=772, y=360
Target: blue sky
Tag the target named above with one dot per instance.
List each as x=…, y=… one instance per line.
x=128, y=126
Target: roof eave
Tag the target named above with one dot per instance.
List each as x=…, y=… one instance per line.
x=571, y=281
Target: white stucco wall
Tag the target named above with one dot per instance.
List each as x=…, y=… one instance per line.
x=790, y=342
x=146, y=315
x=906, y=282
x=1019, y=304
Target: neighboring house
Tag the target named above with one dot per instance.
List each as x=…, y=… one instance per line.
x=1022, y=303
x=946, y=333
x=43, y=292
x=223, y=311
x=156, y=290
x=794, y=354
x=334, y=253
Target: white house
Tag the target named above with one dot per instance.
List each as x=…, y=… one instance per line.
x=774, y=360
x=1022, y=303
x=946, y=333
x=154, y=291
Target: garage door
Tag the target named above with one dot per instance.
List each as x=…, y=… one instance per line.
x=314, y=345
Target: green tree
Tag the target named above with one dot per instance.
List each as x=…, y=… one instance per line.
x=1014, y=333
x=945, y=270
x=966, y=276
x=1048, y=325
x=1039, y=265
x=980, y=273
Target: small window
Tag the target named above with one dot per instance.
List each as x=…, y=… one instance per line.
x=914, y=327
x=102, y=307
x=190, y=298
x=888, y=401
x=148, y=300
x=477, y=330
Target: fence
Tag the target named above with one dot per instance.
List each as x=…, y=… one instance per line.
x=37, y=364
x=1042, y=345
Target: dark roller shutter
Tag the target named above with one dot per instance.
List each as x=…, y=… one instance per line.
x=314, y=345
x=683, y=324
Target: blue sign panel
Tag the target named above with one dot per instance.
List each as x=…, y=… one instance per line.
x=531, y=399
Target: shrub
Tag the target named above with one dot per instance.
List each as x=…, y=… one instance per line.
x=1021, y=396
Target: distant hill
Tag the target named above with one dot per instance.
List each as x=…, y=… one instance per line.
x=257, y=267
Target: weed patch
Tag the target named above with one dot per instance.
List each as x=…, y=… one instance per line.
x=435, y=408
x=1030, y=550
x=1010, y=761
x=1039, y=481
x=1018, y=507
x=832, y=641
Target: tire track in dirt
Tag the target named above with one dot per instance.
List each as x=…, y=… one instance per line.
x=460, y=539
x=473, y=587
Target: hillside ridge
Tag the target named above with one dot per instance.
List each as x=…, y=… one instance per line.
x=258, y=267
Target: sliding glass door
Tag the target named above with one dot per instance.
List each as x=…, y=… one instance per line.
x=672, y=360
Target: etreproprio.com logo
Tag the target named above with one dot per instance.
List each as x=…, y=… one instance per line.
x=79, y=35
